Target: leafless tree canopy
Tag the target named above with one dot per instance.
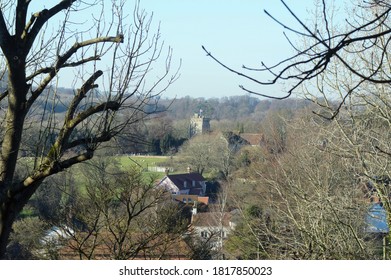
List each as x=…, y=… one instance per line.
x=366, y=35
x=341, y=63
x=39, y=46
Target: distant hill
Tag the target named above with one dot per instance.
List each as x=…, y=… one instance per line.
x=228, y=108
x=232, y=108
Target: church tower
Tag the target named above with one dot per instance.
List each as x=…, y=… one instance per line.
x=199, y=124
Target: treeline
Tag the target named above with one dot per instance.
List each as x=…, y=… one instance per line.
x=165, y=132
x=233, y=108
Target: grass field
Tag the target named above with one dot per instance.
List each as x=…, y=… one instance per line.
x=142, y=161
x=123, y=162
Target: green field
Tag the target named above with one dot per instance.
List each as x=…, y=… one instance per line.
x=122, y=162
x=144, y=162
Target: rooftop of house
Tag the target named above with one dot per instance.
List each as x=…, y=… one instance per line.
x=253, y=138
x=165, y=246
x=376, y=219
x=212, y=219
x=180, y=179
x=234, y=139
x=190, y=198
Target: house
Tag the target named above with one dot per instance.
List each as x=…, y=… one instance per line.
x=213, y=226
x=56, y=234
x=234, y=141
x=376, y=220
x=184, y=184
x=163, y=247
x=254, y=139
x=190, y=199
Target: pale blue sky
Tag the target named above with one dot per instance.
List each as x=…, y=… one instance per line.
x=236, y=31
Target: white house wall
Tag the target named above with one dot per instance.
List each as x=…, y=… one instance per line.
x=169, y=186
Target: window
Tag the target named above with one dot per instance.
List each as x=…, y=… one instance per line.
x=204, y=234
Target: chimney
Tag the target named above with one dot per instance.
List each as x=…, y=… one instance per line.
x=194, y=211
x=189, y=169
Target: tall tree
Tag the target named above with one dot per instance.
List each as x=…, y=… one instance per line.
x=210, y=153
x=305, y=202
x=34, y=59
x=119, y=215
x=343, y=66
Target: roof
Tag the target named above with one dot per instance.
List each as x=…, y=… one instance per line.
x=165, y=246
x=180, y=179
x=254, y=139
x=212, y=219
x=234, y=139
x=196, y=191
x=191, y=198
x=376, y=219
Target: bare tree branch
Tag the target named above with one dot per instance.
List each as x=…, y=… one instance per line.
x=4, y=33
x=35, y=25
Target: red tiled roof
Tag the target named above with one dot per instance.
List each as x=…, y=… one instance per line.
x=203, y=199
x=164, y=247
x=253, y=138
x=191, y=198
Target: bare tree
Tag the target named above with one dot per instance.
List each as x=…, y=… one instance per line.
x=36, y=57
x=118, y=215
x=365, y=33
x=210, y=153
x=308, y=205
x=197, y=152
x=342, y=65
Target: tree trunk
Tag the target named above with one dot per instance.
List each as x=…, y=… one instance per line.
x=21, y=37
x=7, y=217
x=15, y=117
x=10, y=207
